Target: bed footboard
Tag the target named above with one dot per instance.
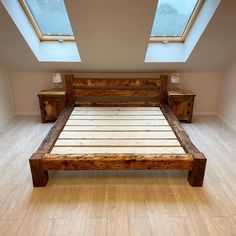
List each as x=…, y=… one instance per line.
x=40, y=163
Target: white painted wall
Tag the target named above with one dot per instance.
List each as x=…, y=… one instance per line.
x=227, y=98
x=6, y=102
x=206, y=86
x=26, y=86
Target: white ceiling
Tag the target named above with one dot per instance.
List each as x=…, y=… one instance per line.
x=112, y=36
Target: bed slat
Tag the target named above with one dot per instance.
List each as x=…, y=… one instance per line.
x=117, y=135
x=119, y=128
x=77, y=117
x=117, y=108
x=87, y=150
x=125, y=93
x=117, y=122
x=116, y=113
x=117, y=143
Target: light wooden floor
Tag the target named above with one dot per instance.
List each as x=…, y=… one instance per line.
x=118, y=202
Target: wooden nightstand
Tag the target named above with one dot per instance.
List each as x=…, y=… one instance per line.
x=181, y=102
x=52, y=103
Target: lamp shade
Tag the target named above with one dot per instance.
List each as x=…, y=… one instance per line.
x=56, y=78
x=174, y=79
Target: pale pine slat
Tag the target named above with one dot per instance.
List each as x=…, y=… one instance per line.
x=117, y=135
x=114, y=130
x=117, y=122
x=143, y=150
x=135, y=143
x=96, y=117
x=116, y=113
x=117, y=109
x=117, y=128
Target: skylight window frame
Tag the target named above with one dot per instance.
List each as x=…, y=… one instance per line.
x=60, y=38
x=179, y=39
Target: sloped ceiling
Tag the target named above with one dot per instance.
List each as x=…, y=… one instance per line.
x=112, y=36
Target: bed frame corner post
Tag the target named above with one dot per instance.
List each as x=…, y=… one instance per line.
x=196, y=175
x=69, y=89
x=39, y=175
x=164, y=89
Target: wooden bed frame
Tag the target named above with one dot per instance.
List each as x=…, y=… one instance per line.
x=121, y=92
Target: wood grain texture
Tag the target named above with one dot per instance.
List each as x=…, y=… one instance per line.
x=115, y=117
x=111, y=150
x=113, y=92
x=117, y=135
x=117, y=162
x=116, y=104
x=164, y=89
x=196, y=176
x=119, y=128
x=178, y=130
x=69, y=89
x=196, y=165
x=144, y=108
x=55, y=131
x=194, y=179
x=115, y=82
x=181, y=102
x=117, y=122
x=117, y=143
x=51, y=104
x=39, y=174
x=115, y=113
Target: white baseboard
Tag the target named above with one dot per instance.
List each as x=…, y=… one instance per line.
x=204, y=113
x=27, y=113
x=233, y=127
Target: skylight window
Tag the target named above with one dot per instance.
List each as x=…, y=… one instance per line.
x=173, y=19
x=49, y=19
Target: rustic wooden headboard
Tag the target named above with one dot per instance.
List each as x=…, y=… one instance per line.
x=116, y=92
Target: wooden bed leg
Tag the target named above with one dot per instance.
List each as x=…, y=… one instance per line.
x=196, y=175
x=39, y=175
